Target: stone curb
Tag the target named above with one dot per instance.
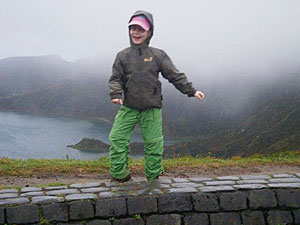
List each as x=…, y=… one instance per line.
x=221, y=200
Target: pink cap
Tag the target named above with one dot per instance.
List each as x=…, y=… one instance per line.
x=141, y=21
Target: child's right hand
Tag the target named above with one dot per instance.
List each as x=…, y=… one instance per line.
x=117, y=101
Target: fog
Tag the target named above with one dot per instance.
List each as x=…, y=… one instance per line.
x=205, y=39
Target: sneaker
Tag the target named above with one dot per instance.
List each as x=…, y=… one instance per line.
x=157, y=177
x=123, y=180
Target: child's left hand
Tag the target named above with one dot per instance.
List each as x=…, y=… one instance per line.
x=199, y=95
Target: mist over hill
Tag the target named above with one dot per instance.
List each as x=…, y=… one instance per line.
x=239, y=116
x=21, y=75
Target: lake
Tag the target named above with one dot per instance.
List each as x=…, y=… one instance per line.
x=25, y=136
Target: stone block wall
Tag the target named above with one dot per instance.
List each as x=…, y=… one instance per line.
x=270, y=206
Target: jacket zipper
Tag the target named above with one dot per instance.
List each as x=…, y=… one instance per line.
x=140, y=53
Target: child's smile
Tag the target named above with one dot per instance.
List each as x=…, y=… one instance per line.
x=138, y=35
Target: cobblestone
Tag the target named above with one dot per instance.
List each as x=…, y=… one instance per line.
x=249, y=186
x=4, y=191
x=63, y=192
x=228, y=178
x=285, y=180
x=47, y=199
x=255, y=177
x=283, y=175
x=185, y=185
x=216, y=188
x=81, y=196
x=165, y=181
x=285, y=185
x=107, y=194
x=38, y=193
x=51, y=188
x=156, y=192
x=183, y=190
x=252, y=181
x=88, y=185
x=225, y=182
x=200, y=179
x=8, y=195
x=14, y=201
x=93, y=190
x=31, y=189
x=180, y=180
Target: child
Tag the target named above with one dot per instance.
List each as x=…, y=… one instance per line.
x=135, y=75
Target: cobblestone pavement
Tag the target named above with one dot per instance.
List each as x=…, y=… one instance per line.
x=102, y=190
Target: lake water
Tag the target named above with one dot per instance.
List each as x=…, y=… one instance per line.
x=25, y=136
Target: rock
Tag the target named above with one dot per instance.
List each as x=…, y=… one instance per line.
x=90, y=144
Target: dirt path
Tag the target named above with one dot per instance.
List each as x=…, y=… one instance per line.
x=184, y=172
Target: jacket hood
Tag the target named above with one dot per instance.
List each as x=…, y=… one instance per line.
x=150, y=20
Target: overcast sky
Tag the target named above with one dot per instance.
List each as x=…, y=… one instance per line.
x=231, y=35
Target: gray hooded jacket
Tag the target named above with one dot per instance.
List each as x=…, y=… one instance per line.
x=135, y=74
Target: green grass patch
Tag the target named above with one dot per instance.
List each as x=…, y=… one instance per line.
x=10, y=187
x=52, y=184
x=32, y=167
x=282, y=158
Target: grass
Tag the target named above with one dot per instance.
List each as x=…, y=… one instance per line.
x=283, y=158
x=34, y=167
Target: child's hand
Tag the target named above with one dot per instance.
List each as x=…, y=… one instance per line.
x=199, y=95
x=117, y=101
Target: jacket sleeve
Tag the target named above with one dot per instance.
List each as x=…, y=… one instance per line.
x=177, y=78
x=116, y=82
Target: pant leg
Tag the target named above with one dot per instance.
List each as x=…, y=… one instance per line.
x=119, y=137
x=151, y=127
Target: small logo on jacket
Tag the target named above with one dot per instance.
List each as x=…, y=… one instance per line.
x=150, y=59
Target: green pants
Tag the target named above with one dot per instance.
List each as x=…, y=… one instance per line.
x=151, y=126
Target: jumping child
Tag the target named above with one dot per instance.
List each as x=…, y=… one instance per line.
x=135, y=75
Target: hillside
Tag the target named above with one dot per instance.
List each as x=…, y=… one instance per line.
x=272, y=126
x=236, y=118
x=21, y=75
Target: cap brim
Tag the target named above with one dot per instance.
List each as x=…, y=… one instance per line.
x=139, y=23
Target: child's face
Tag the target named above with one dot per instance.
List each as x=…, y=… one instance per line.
x=138, y=35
